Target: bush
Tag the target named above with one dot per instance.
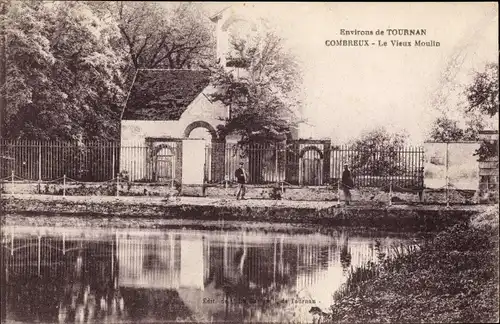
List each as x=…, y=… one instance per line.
x=487, y=219
x=275, y=193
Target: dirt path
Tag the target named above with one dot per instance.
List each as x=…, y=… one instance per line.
x=210, y=201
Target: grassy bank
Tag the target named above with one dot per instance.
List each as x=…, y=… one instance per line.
x=452, y=278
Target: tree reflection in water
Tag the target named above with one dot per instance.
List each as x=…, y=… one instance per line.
x=345, y=255
x=168, y=276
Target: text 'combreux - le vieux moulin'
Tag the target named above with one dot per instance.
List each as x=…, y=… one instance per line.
x=384, y=42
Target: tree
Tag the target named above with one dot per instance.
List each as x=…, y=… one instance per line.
x=481, y=105
x=376, y=152
x=445, y=129
x=482, y=93
x=63, y=74
x=72, y=62
x=259, y=85
x=380, y=139
x=482, y=98
x=3, y=63
x=157, y=35
x=263, y=101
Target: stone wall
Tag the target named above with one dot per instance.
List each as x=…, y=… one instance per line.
x=134, y=132
x=361, y=196
x=91, y=189
x=393, y=219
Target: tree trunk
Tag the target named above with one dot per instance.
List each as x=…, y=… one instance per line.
x=3, y=72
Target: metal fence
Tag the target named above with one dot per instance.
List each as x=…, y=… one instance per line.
x=302, y=163
x=305, y=163
x=400, y=167
x=264, y=163
x=41, y=161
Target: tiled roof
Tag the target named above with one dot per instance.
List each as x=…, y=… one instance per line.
x=163, y=94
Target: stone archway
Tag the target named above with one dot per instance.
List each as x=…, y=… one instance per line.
x=163, y=163
x=200, y=124
x=156, y=149
x=310, y=148
x=311, y=166
x=214, y=151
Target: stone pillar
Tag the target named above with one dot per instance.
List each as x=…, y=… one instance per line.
x=178, y=162
x=149, y=162
x=218, y=154
x=292, y=163
x=488, y=169
x=327, y=147
x=488, y=180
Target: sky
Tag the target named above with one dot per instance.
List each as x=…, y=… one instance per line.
x=349, y=90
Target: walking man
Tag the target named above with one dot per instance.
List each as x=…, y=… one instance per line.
x=347, y=184
x=241, y=178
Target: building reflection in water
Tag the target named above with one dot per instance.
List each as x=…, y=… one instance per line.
x=64, y=275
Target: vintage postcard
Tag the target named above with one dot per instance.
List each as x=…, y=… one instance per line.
x=247, y=162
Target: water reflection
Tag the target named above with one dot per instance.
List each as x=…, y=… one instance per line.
x=345, y=255
x=68, y=275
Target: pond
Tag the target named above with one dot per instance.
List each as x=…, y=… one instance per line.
x=117, y=275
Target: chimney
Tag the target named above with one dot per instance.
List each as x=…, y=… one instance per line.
x=221, y=34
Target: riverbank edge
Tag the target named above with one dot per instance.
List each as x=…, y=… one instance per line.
x=393, y=218
x=454, y=278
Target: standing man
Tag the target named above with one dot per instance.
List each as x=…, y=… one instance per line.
x=241, y=178
x=347, y=184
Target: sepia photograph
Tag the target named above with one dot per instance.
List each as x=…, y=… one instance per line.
x=249, y=162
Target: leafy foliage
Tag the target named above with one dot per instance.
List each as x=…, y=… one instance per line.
x=70, y=64
x=263, y=100
x=487, y=150
x=482, y=94
x=445, y=129
x=377, y=150
x=163, y=36
x=63, y=76
x=159, y=35
x=482, y=104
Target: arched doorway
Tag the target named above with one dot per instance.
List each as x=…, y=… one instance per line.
x=200, y=124
x=205, y=131
x=164, y=164
x=204, y=134
x=311, y=166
